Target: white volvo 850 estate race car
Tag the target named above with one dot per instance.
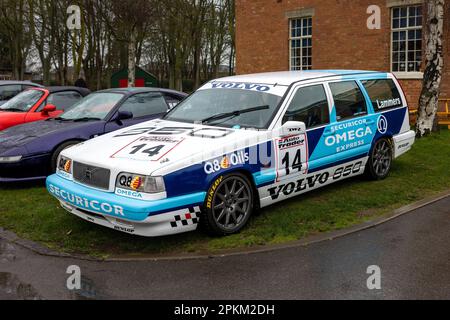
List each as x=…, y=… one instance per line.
x=237, y=144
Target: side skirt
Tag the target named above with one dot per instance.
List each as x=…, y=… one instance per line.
x=297, y=185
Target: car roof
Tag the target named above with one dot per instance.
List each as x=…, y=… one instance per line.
x=287, y=78
x=12, y=82
x=129, y=91
x=82, y=91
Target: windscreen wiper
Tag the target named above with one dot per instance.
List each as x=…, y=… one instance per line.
x=234, y=113
x=59, y=119
x=86, y=119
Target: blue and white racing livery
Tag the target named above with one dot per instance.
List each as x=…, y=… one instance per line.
x=237, y=144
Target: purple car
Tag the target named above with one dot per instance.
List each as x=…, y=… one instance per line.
x=30, y=151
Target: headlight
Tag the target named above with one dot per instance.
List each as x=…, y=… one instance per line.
x=65, y=164
x=140, y=183
x=10, y=159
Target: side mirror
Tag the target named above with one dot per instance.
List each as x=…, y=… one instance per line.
x=124, y=115
x=48, y=109
x=292, y=128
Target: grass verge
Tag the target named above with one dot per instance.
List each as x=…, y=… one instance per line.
x=30, y=212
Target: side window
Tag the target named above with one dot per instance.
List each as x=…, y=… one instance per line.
x=383, y=94
x=9, y=91
x=26, y=87
x=310, y=105
x=63, y=100
x=348, y=99
x=145, y=104
x=171, y=100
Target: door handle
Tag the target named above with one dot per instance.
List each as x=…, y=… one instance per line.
x=329, y=132
x=369, y=122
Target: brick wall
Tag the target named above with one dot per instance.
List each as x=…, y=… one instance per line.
x=341, y=39
x=445, y=88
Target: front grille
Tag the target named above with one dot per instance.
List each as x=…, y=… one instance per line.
x=91, y=176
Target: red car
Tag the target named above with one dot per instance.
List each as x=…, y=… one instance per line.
x=39, y=104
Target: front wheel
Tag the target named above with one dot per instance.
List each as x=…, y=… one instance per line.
x=228, y=205
x=380, y=160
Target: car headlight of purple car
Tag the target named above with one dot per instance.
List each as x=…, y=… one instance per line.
x=10, y=159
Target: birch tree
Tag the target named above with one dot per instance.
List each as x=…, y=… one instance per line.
x=429, y=98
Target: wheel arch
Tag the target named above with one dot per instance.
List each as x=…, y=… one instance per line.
x=249, y=176
x=388, y=136
x=52, y=152
x=78, y=140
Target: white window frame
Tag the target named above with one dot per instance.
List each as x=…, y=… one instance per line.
x=404, y=74
x=301, y=38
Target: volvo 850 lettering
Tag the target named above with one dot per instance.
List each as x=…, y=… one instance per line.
x=236, y=145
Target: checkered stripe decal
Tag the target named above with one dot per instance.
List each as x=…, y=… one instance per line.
x=187, y=219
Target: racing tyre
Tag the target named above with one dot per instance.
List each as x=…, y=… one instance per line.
x=228, y=205
x=380, y=160
x=55, y=155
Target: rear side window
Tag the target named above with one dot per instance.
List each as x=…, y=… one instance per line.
x=64, y=100
x=9, y=91
x=310, y=105
x=348, y=99
x=145, y=104
x=383, y=94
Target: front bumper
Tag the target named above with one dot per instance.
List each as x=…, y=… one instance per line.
x=27, y=169
x=145, y=218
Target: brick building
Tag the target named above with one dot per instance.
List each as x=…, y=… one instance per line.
x=274, y=35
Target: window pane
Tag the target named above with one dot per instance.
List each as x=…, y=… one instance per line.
x=383, y=94
x=396, y=23
x=64, y=100
x=301, y=32
x=310, y=106
x=406, y=44
x=9, y=91
x=145, y=104
x=348, y=99
x=396, y=12
x=403, y=23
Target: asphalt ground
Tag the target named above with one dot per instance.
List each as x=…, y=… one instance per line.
x=412, y=253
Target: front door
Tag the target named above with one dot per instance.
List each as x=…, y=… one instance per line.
x=143, y=106
x=309, y=105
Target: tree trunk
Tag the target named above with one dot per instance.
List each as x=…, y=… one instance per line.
x=132, y=60
x=429, y=98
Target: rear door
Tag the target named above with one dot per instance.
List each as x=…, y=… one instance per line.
x=354, y=126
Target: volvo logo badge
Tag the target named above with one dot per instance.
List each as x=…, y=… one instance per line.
x=88, y=174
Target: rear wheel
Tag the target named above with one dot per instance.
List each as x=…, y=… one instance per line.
x=228, y=206
x=380, y=160
x=57, y=152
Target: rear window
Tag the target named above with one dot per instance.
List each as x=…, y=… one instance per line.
x=383, y=94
